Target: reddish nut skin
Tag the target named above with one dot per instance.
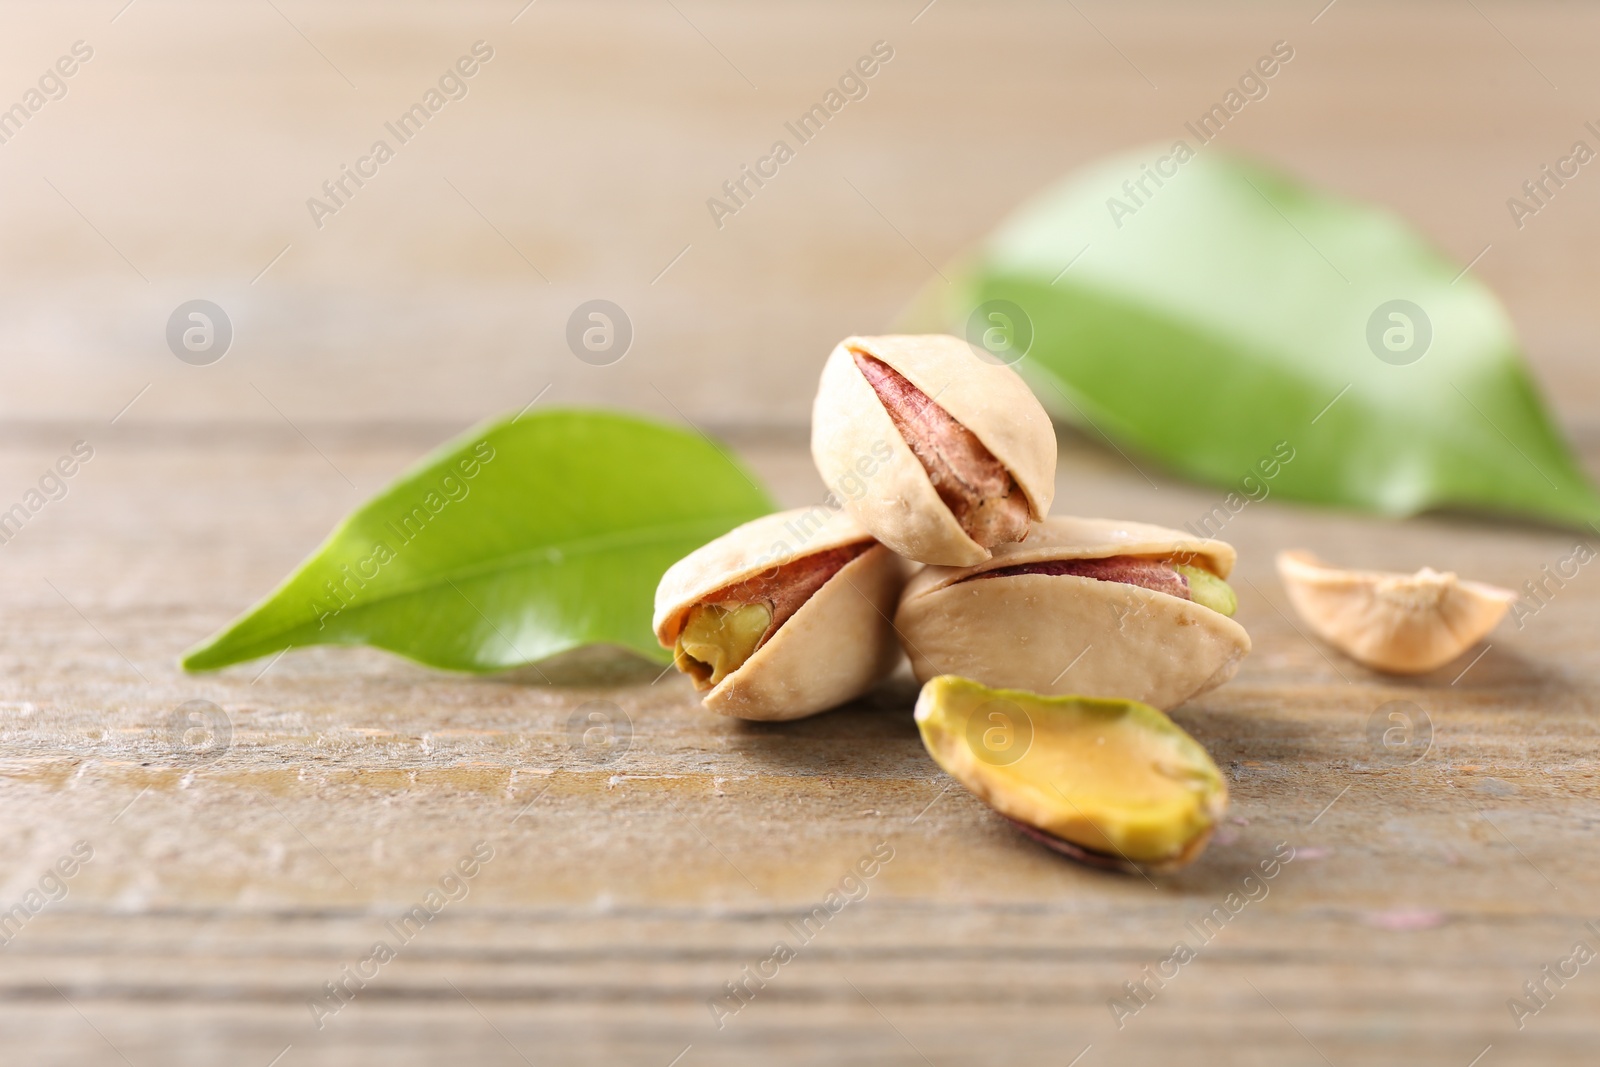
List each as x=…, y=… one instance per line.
x=828, y=585
x=1085, y=607
x=1086, y=856
x=866, y=459
x=1130, y=570
x=1104, y=860
x=780, y=590
x=982, y=495
x=786, y=587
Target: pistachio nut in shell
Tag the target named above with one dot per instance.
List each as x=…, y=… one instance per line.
x=940, y=454
x=1400, y=623
x=784, y=616
x=1110, y=782
x=1093, y=607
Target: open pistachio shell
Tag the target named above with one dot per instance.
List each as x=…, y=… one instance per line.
x=1400, y=623
x=1110, y=782
x=771, y=626
x=999, y=481
x=1060, y=633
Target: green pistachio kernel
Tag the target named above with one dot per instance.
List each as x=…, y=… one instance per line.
x=716, y=640
x=1207, y=589
x=1113, y=782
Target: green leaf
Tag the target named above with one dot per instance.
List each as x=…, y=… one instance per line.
x=1208, y=319
x=520, y=539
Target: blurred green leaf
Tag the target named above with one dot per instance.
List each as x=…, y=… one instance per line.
x=1206, y=319
x=522, y=538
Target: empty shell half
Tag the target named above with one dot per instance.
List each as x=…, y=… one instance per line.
x=939, y=453
x=784, y=616
x=1400, y=623
x=1092, y=607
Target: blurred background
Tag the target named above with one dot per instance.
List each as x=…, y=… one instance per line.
x=578, y=166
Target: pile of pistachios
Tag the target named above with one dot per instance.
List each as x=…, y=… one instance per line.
x=1048, y=647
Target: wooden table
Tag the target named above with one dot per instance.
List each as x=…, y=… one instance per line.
x=234, y=873
x=237, y=872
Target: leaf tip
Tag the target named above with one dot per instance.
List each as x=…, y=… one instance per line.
x=219, y=651
x=201, y=658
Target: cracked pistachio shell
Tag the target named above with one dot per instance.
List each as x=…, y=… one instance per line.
x=1109, y=782
x=1400, y=623
x=1058, y=634
x=867, y=464
x=834, y=648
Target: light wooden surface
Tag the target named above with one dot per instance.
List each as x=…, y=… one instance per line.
x=623, y=895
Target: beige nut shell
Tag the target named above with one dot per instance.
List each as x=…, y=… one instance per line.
x=867, y=464
x=1062, y=634
x=836, y=647
x=1399, y=623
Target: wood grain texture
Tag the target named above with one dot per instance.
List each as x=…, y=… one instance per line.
x=623, y=894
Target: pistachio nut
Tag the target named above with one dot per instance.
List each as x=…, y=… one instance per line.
x=940, y=454
x=1086, y=606
x=784, y=616
x=1114, y=783
x=1400, y=623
